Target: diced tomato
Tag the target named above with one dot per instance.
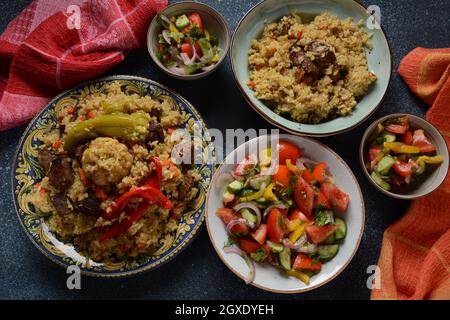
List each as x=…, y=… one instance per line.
x=407, y=138
x=260, y=234
x=282, y=176
x=338, y=198
x=400, y=127
x=246, y=165
x=227, y=215
x=304, y=196
x=187, y=49
x=421, y=141
x=402, y=169
x=298, y=215
x=196, y=20
x=276, y=225
x=373, y=155
x=288, y=150
x=321, y=201
x=303, y=262
x=198, y=50
x=320, y=234
x=320, y=172
x=308, y=176
x=249, y=246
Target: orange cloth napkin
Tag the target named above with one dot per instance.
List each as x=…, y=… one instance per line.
x=415, y=255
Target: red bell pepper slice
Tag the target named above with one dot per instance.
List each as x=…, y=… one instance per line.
x=155, y=179
x=123, y=226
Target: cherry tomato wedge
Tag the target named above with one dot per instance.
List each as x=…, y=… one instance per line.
x=308, y=176
x=298, y=215
x=402, y=169
x=304, y=196
x=282, y=176
x=421, y=141
x=288, y=150
x=249, y=246
x=320, y=234
x=320, y=172
x=400, y=126
x=303, y=262
x=407, y=138
x=260, y=234
x=338, y=198
x=196, y=20
x=187, y=49
x=276, y=226
x=321, y=202
x=227, y=215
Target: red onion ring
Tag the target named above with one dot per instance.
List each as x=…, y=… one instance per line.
x=270, y=171
x=253, y=207
x=297, y=245
x=234, y=222
x=278, y=206
x=251, y=266
x=166, y=36
x=177, y=70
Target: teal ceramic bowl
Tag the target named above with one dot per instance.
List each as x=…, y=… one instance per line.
x=379, y=59
x=26, y=172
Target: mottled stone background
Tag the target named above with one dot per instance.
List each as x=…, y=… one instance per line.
x=197, y=273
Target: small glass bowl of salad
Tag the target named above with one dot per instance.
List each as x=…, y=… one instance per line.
x=188, y=40
x=404, y=156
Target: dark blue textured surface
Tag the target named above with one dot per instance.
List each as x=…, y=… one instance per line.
x=198, y=273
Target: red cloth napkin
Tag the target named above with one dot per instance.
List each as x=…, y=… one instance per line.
x=415, y=256
x=42, y=52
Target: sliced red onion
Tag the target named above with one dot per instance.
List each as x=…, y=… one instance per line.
x=308, y=248
x=270, y=171
x=186, y=60
x=408, y=179
x=224, y=178
x=300, y=164
x=298, y=244
x=237, y=177
x=278, y=206
x=251, y=266
x=177, y=70
x=305, y=162
x=166, y=20
x=250, y=206
x=166, y=36
x=235, y=222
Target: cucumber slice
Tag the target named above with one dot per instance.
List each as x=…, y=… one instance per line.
x=247, y=192
x=385, y=165
x=331, y=239
x=341, y=231
x=235, y=187
x=248, y=215
x=285, y=258
x=274, y=247
x=261, y=201
x=422, y=168
x=379, y=181
x=182, y=22
x=256, y=182
x=324, y=217
x=327, y=252
x=389, y=137
x=228, y=197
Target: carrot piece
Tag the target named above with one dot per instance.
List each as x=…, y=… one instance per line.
x=83, y=178
x=57, y=144
x=70, y=110
x=91, y=114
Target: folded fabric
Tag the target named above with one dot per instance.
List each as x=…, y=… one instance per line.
x=415, y=255
x=53, y=45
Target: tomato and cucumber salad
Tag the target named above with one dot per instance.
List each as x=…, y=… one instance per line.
x=286, y=211
x=399, y=156
x=185, y=46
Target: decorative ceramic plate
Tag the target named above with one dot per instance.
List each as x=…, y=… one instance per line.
x=26, y=172
x=379, y=60
x=266, y=276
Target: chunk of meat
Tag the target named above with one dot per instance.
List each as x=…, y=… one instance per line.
x=89, y=205
x=186, y=186
x=299, y=59
x=61, y=204
x=155, y=133
x=45, y=158
x=60, y=174
x=339, y=73
x=297, y=56
x=157, y=113
x=323, y=54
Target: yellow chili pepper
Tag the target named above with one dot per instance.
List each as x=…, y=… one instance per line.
x=297, y=233
x=172, y=28
x=265, y=157
x=254, y=196
x=268, y=193
x=431, y=160
x=299, y=275
x=215, y=58
x=291, y=167
x=207, y=35
x=398, y=147
x=294, y=224
x=116, y=106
